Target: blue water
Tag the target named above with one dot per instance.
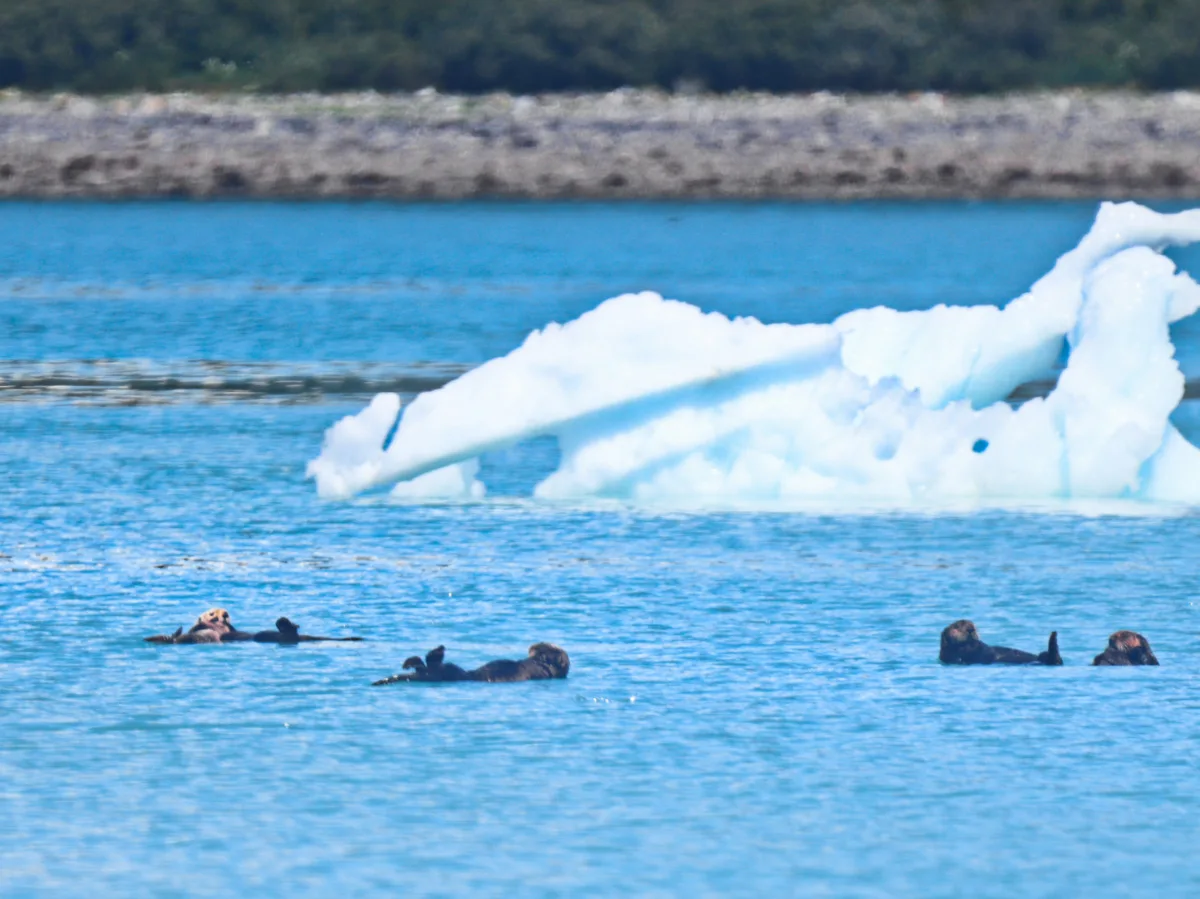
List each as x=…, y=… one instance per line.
x=755, y=704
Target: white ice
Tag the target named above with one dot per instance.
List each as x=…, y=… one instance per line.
x=652, y=400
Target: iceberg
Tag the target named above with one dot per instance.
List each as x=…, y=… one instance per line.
x=654, y=401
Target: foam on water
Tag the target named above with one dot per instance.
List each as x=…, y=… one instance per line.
x=654, y=401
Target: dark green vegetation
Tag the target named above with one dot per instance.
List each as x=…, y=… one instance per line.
x=551, y=45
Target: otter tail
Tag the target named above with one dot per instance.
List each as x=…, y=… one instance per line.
x=1051, y=656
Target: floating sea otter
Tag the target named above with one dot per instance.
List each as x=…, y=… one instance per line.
x=1126, y=648
x=961, y=646
x=214, y=626
x=546, y=662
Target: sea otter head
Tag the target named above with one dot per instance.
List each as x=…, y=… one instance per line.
x=552, y=657
x=1129, y=648
x=957, y=637
x=215, y=620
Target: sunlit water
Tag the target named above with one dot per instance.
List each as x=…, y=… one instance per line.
x=755, y=704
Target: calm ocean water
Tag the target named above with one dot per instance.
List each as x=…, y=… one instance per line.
x=755, y=704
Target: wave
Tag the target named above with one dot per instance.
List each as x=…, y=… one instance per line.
x=654, y=401
x=137, y=382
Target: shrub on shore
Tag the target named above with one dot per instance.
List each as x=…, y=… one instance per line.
x=559, y=45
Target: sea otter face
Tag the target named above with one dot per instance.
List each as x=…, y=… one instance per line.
x=552, y=657
x=958, y=640
x=1132, y=646
x=215, y=620
x=960, y=633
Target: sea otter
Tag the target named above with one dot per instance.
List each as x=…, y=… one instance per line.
x=1126, y=648
x=214, y=626
x=545, y=662
x=961, y=646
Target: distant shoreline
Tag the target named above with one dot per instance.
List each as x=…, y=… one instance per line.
x=628, y=144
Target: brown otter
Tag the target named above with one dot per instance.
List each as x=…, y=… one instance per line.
x=545, y=662
x=961, y=646
x=1126, y=648
x=214, y=626
x=289, y=634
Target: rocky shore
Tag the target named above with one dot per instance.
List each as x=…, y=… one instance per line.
x=626, y=144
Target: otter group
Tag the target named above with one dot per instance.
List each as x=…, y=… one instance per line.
x=961, y=646
x=545, y=662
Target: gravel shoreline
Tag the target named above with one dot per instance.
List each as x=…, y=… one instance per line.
x=625, y=144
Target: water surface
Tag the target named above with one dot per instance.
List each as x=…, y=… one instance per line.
x=755, y=704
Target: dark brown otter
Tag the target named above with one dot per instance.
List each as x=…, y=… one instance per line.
x=1126, y=648
x=545, y=662
x=961, y=646
x=289, y=634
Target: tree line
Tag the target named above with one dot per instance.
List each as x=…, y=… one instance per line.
x=525, y=46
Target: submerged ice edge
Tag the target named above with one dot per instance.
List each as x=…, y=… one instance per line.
x=69, y=378
x=820, y=507
x=653, y=401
